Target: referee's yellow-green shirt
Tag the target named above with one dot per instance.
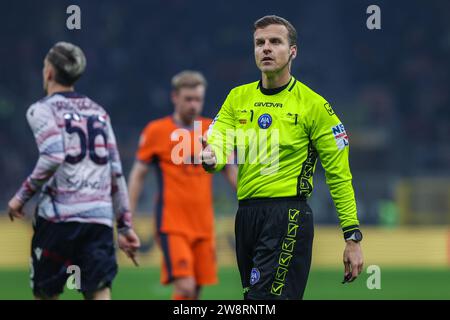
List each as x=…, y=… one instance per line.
x=279, y=135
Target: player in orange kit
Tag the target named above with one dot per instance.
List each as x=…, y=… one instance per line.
x=184, y=209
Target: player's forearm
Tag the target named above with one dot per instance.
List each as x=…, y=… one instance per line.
x=45, y=168
x=135, y=186
x=119, y=192
x=134, y=190
x=121, y=203
x=49, y=140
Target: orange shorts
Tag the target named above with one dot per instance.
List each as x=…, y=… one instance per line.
x=188, y=257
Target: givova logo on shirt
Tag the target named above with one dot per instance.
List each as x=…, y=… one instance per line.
x=340, y=135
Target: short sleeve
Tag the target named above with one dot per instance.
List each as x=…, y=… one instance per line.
x=147, y=149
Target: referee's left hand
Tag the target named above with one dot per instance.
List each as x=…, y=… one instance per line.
x=353, y=260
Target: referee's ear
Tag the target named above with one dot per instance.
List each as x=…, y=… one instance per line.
x=293, y=53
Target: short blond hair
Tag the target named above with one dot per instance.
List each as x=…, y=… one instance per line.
x=69, y=62
x=188, y=79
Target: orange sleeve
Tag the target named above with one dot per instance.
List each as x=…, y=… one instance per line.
x=206, y=122
x=147, y=144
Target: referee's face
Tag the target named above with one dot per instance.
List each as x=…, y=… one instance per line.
x=272, y=49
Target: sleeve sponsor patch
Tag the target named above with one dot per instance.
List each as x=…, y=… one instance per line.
x=327, y=106
x=340, y=135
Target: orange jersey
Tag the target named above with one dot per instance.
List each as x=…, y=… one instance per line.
x=185, y=202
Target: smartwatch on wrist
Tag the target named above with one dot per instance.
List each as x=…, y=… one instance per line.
x=355, y=236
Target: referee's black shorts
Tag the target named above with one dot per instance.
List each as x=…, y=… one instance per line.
x=274, y=239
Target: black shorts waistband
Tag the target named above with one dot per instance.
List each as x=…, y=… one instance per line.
x=269, y=201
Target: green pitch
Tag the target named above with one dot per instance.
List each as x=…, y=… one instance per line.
x=143, y=283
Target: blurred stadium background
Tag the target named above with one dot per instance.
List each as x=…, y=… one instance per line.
x=390, y=88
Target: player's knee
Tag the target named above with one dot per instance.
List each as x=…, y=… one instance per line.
x=185, y=287
x=102, y=294
x=186, y=292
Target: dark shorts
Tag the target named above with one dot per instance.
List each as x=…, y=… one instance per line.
x=60, y=250
x=273, y=246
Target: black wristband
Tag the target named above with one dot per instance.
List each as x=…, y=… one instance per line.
x=348, y=231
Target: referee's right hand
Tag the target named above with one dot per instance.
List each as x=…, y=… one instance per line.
x=209, y=160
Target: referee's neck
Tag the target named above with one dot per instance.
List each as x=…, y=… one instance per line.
x=273, y=81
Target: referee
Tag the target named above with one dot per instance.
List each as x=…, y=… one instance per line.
x=280, y=127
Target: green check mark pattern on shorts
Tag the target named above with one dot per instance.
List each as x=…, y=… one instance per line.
x=287, y=249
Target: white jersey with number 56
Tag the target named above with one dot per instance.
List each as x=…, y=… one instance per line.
x=79, y=171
